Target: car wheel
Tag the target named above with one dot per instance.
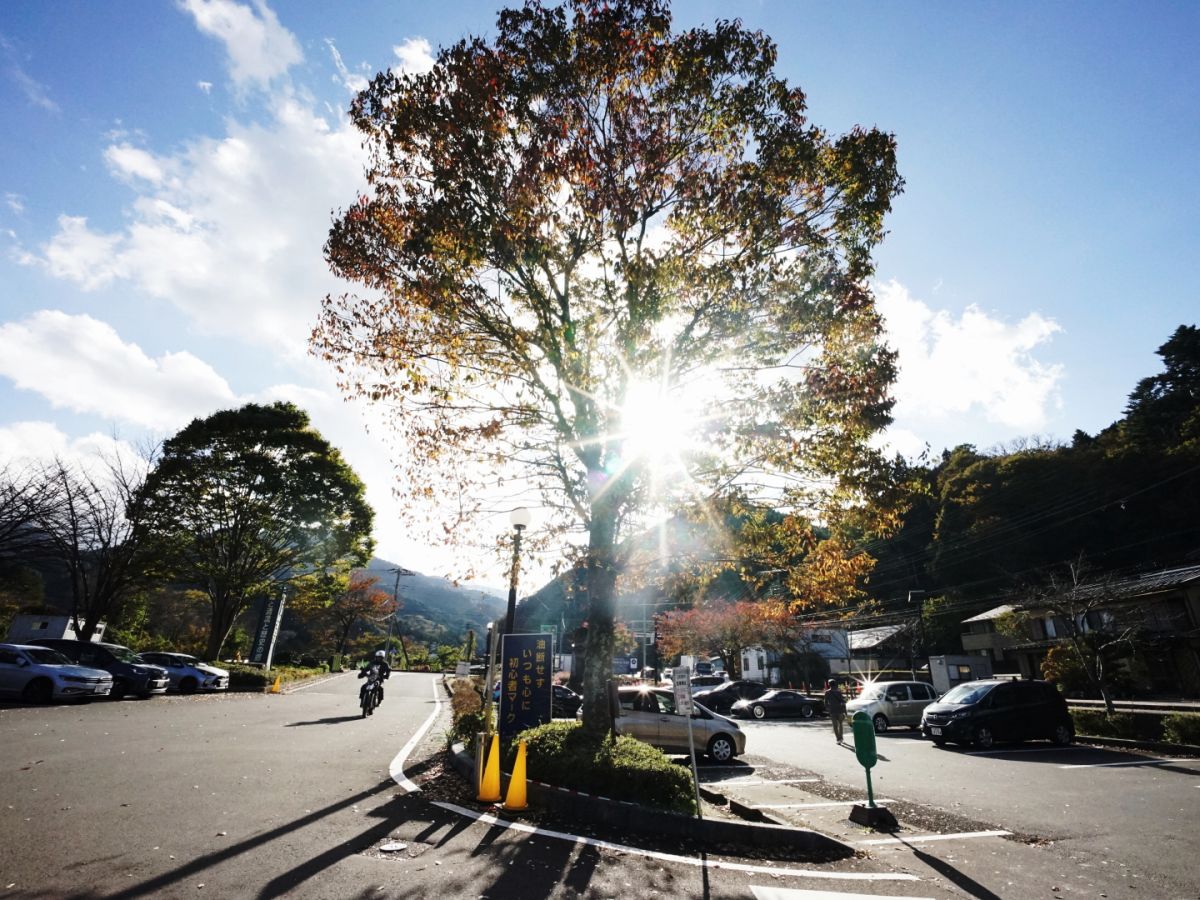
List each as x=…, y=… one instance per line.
x=939, y=742
x=118, y=690
x=984, y=739
x=807, y=711
x=880, y=723
x=1063, y=735
x=720, y=749
x=760, y=711
x=39, y=691
x=188, y=685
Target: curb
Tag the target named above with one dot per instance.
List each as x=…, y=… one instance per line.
x=632, y=818
x=1156, y=746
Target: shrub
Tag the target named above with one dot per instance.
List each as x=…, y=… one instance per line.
x=251, y=678
x=1182, y=728
x=562, y=754
x=1094, y=722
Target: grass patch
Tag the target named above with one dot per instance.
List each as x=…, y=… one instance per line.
x=251, y=678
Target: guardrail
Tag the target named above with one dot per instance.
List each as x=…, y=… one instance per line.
x=1151, y=707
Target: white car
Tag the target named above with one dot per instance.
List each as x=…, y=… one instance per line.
x=892, y=703
x=40, y=675
x=188, y=674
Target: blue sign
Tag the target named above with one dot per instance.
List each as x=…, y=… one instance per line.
x=525, y=680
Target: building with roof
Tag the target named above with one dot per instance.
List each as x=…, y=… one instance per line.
x=1159, y=611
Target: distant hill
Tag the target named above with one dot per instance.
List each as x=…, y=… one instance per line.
x=436, y=610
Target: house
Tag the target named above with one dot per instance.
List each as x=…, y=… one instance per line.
x=1162, y=608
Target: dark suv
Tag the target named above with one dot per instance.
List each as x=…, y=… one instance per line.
x=130, y=674
x=984, y=712
x=721, y=699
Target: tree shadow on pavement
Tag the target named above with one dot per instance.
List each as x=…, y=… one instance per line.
x=959, y=879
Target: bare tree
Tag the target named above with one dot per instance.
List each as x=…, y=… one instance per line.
x=25, y=498
x=93, y=530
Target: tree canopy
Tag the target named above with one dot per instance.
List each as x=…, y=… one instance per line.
x=247, y=499
x=619, y=263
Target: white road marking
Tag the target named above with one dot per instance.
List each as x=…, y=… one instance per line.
x=1136, y=762
x=776, y=893
x=1007, y=750
x=488, y=819
x=396, y=769
x=931, y=837
x=734, y=782
x=314, y=683
x=812, y=805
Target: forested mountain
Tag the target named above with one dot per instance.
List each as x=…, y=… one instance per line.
x=1123, y=500
x=434, y=610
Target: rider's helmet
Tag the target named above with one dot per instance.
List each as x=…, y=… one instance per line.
x=379, y=654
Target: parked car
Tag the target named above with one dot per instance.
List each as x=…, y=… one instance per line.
x=893, y=703
x=707, y=681
x=564, y=702
x=187, y=674
x=40, y=675
x=777, y=704
x=984, y=712
x=721, y=699
x=649, y=715
x=130, y=675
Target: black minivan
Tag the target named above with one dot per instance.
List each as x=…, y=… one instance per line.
x=985, y=712
x=130, y=674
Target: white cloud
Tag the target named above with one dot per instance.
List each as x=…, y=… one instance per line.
x=975, y=364
x=415, y=55
x=35, y=92
x=351, y=80
x=229, y=230
x=205, y=86
x=81, y=364
x=15, y=203
x=259, y=48
x=126, y=160
x=38, y=443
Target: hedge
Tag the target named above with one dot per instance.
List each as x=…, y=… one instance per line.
x=1182, y=728
x=563, y=754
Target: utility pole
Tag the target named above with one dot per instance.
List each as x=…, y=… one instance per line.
x=912, y=664
x=399, y=570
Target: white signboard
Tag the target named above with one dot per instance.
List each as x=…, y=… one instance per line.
x=681, y=680
x=462, y=670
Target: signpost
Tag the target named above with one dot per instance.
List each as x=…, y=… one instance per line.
x=681, y=684
x=267, y=631
x=525, y=682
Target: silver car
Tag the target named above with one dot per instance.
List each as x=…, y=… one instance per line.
x=188, y=674
x=40, y=675
x=649, y=715
x=892, y=703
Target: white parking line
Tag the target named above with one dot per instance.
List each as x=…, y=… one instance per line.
x=496, y=822
x=813, y=805
x=735, y=782
x=777, y=893
x=1007, y=750
x=931, y=837
x=1136, y=762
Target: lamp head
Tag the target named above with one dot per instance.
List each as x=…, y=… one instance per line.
x=520, y=518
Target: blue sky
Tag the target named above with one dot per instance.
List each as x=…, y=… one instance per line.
x=167, y=173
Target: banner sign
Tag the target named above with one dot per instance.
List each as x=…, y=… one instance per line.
x=525, y=680
x=267, y=631
x=682, y=685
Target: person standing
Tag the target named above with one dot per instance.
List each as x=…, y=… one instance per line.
x=835, y=705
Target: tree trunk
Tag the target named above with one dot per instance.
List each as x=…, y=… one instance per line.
x=224, y=614
x=601, y=588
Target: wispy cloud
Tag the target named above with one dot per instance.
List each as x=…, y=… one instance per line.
x=415, y=55
x=35, y=92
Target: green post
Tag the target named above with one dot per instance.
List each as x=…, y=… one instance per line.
x=864, y=748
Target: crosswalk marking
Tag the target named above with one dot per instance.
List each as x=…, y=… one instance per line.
x=931, y=837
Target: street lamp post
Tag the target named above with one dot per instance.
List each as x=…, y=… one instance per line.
x=520, y=521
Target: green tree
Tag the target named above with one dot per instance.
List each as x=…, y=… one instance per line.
x=247, y=499
x=1164, y=409
x=619, y=261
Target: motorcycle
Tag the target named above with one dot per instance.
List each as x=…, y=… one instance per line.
x=368, y=694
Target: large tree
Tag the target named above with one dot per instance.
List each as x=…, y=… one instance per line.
x=248, y=499
x=617, y=262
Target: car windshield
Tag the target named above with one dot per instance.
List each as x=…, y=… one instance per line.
x=47, y=656
x=966, y=693
x=124, y=654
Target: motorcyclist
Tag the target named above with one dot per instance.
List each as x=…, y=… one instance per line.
x=382, y=669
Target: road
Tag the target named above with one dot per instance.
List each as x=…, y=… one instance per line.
x=294, y=795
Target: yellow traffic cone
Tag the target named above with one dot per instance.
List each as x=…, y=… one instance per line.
x=516, y=784
x=489, y=787
x=278, y=685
